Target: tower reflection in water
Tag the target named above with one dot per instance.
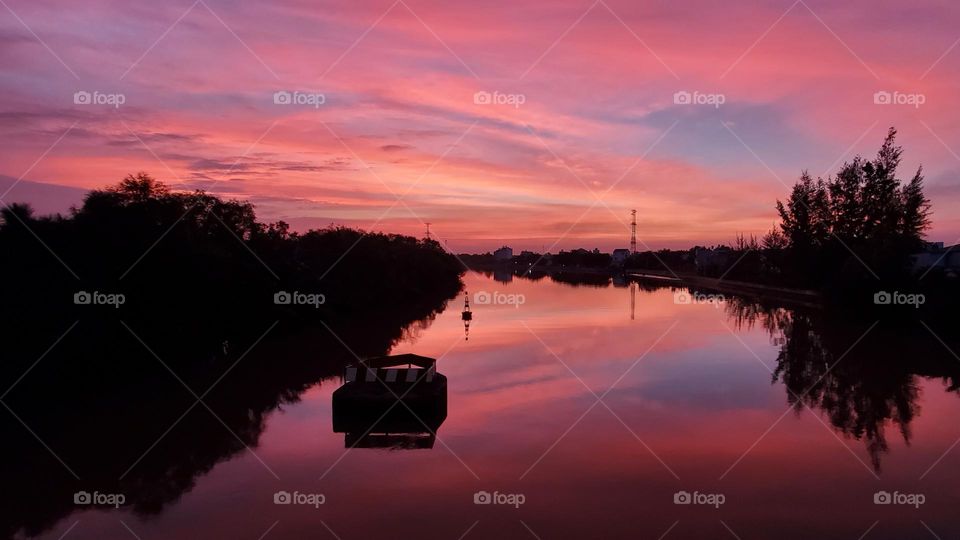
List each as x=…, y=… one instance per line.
x=395, y=402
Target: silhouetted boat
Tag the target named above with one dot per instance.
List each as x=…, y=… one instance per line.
x=391, y=402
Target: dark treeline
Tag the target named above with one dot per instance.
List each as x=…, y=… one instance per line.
x=580, y=257
x=855, y=230
x=666, y=260
x=196, y=255
x=199, y=275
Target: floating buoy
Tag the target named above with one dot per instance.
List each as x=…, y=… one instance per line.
x=466, y=315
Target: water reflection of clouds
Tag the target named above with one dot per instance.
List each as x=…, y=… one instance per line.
x=722, y=383
x=505, y=366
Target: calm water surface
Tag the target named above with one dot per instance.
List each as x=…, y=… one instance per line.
x=597, y=414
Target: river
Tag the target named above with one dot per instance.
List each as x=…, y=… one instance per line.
x=605, y=410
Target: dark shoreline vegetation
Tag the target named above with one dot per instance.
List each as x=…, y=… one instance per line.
x=848, y=237
x=196, y=254
x=199, y=308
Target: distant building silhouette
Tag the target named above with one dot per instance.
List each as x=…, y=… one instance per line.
x=503, y=254
x=936, y=256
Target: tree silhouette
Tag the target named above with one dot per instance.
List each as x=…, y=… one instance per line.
x=864, y=212
x=208, y=262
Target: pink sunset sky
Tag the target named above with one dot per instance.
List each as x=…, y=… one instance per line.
x=584, y=125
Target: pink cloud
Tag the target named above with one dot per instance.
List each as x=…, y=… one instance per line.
x=399, y=106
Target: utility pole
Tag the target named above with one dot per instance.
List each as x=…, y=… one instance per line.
x=633, y=232
x=428, y=230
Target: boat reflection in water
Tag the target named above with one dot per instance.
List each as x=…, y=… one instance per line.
x=395, y=402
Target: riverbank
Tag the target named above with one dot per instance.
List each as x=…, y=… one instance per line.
x=758, y=291
x=804, y=297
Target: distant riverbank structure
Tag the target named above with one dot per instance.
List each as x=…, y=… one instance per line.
x=935, y=256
